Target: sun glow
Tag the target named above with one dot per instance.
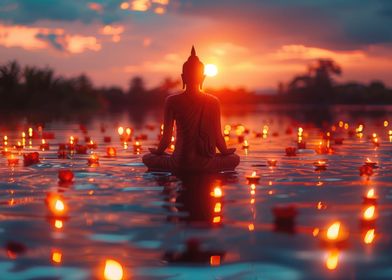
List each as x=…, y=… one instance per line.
x=210, y=70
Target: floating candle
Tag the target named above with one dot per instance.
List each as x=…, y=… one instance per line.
x=272, y=162
x=19, y=146
x=320, y=165
x=291, y=151
x=93, y=160
x=80, y=149
x=253, y=178
x=92, y=145
x=113, y=270
x=12, y=160
x=56, y=205
x=107, y=139
x=366, y=170
x=65, y=175
x=6, y=152
x=301, y=145
x=137, y=145
x=370, y=197
x=245, y=145
x=111, y=152
x=30, y=158
x=44, y=145
x=370, y=163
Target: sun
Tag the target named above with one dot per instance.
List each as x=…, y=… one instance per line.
x=210, y=70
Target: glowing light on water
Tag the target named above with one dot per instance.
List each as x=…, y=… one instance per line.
x=333, y=231
x=332, y=260
x=368, y=214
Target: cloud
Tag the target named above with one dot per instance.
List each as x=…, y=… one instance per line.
x=36, y=38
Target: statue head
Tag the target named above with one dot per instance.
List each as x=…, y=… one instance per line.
x=193, y=71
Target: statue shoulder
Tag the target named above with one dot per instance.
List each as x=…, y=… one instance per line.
x=212, y=99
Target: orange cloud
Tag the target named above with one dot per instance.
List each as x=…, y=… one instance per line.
x=79, y=44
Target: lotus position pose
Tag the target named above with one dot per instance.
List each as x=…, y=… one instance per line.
x=197, y=117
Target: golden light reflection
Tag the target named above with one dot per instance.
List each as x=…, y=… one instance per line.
x=332, y=259
x=368, y=214
x=369, y=236
x=218, y=207
x=58, y=224
x=217, y=192
x=57, y=256
x=113, y=270
x=333, y=231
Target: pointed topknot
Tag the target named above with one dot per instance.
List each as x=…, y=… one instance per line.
x=193, y=52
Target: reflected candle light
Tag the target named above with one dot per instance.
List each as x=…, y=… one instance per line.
x=245, y=145
x=217, y=192
x=92, y=145
x=93, y=160
x=111, y=152
x=332, y=259
x=113, y=270
x=370, y=197
x=57, y=256
x=253, y=178
x=44, y=145
x=320, y=165
x=369, y=213
x=369, y=236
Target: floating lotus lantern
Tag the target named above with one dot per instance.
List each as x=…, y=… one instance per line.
x=92, y=145
x=12, y=160
x=81, y=149
x=366, y=170
x=113, y=270
x=320, y=165
x=291, y=151
x=137, y=146
x=301, y=145
x=93, y=160
x=253, y=178
x=44, y=145
x=65, y=176
x=370, y=163
x=111, y=152
x=272, y=162
x=107, y=139
x=18, y=146
x=339, y=141
x=245, y=145
x=6, y=152
x=30, y=158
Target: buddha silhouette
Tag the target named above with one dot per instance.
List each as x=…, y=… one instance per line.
x=199, y=134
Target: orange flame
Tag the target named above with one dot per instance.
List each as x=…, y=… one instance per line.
x=333, y=231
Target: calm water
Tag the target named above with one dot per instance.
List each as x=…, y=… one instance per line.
x=160, y=227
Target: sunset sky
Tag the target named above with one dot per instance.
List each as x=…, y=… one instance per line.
x=254, y=44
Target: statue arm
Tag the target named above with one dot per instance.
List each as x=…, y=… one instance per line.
x=168, y=123
x=220, y=140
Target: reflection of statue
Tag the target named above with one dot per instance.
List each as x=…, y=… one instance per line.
x=201, y=209
x=197, y=117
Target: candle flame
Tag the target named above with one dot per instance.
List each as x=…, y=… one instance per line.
x=128, y=131
x=253, y=174
x=333, y=231
x=369, y=236
x=59, y=205
x=368, y=214
x=120, y=130
x=113, y=270
x=217, y=192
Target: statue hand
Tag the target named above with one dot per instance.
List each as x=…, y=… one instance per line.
x=229, y=151
x=154, y=151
